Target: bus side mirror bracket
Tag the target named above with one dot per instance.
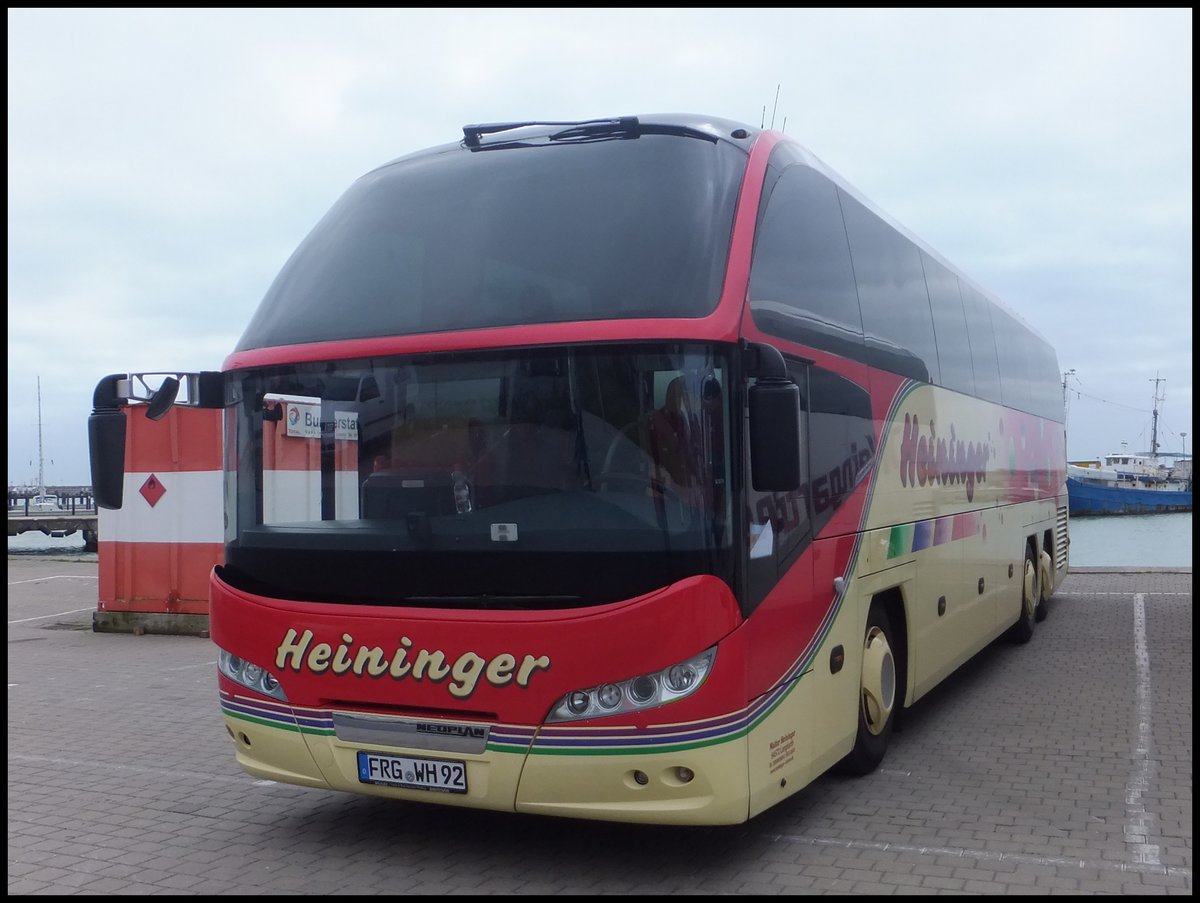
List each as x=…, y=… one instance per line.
x=162, y=399
x=775, y=424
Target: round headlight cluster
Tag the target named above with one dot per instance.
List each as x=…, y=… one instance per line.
x=249, y=675
x=681, y=678
x=643, y=689
x=642, y=692
x=609, y=696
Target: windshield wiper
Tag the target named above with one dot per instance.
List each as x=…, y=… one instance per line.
x=582, y=132
x=623, y=125
x=600, y=128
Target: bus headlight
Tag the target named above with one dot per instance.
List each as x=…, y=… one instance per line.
x=642, y=692
x=249, y=675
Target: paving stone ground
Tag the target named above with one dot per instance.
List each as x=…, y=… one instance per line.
x=1061, y=766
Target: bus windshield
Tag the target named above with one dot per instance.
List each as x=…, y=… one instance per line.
x=528, y=478
x=460, y=240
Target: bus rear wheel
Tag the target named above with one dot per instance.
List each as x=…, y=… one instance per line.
x=1046, y=586
x=876, y=695
x=1022, y=630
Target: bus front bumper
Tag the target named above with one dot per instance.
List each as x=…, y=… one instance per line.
x=705, y=785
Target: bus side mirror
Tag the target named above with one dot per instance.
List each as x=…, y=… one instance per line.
x=775, y=441
x=106, y=443
x=775, y=435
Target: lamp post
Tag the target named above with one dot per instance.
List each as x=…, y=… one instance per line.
x=1066, y=374
x=1066, y=406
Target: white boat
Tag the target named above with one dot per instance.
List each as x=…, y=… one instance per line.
x=1145, y=472
x=44, y=503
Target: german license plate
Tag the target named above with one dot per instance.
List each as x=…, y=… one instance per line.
x=444, y=775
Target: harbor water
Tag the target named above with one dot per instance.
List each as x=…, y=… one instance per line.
x=1132, y=540
x=1135, y=540
x=34, y=543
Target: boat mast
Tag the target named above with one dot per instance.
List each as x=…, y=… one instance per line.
x=41, y=470
x=1154, y=420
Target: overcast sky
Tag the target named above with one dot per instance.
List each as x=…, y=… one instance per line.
x=163, y=164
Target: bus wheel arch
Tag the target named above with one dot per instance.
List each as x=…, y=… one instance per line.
x=882, y=683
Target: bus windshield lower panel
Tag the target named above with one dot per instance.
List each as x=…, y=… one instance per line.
x=535, y=478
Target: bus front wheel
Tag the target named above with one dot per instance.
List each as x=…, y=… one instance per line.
x=876, y=695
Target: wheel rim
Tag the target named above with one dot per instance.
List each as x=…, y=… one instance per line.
x=1030, y=591
x=1046, y=580
x=878, y=681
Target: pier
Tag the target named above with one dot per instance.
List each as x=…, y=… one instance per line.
x=77, y=512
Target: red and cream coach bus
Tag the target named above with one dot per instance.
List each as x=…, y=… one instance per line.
x=634, y=469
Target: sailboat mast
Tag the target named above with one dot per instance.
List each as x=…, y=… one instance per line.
x=41, y=469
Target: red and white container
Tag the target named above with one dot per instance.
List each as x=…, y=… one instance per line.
x=157, y=551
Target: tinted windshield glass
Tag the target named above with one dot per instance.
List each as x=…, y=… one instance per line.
x=532, y=478
x=548, y=233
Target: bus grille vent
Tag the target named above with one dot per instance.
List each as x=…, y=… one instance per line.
x=1061, y=540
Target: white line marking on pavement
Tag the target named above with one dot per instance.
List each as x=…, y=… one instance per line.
x=1140, y=824
x=985, y=855
x=73, y=611
x=1129, y=593
x=54, y=577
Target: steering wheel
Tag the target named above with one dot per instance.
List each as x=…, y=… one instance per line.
x=623, y=438
x=632, y=481
x=673, y=506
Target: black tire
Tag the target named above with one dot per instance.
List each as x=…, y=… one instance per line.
x=878, y=701
x=1022, y=630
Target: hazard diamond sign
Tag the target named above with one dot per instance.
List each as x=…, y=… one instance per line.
x=152, y=490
